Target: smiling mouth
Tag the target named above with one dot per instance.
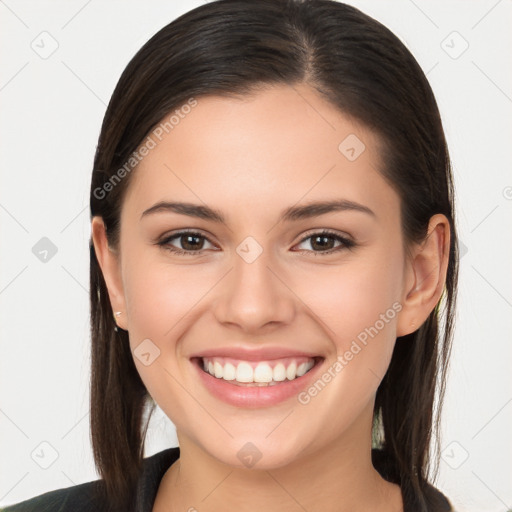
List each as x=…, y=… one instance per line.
x=257, y=373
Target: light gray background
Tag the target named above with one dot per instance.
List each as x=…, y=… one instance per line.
x=51, y=111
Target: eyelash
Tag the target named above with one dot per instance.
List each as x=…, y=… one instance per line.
x=347, y=243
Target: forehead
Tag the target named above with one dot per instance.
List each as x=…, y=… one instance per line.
x=279, y=146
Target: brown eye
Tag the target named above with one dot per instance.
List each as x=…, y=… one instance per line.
x=191, y=242
x=323, y=243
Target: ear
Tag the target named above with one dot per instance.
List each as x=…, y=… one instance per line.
x=425, y=276
x=110, y=265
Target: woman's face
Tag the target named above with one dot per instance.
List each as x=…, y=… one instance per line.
x=258, y=288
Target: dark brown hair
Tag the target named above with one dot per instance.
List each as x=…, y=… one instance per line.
x=231, y=47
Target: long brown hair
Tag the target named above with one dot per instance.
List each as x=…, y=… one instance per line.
x=230, y=47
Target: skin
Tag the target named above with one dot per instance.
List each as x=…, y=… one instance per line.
x=251, y=158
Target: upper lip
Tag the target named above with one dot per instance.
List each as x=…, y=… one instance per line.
x=254, y=354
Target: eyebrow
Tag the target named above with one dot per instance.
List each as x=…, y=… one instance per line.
x=292, y=213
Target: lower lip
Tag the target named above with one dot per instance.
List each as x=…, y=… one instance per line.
x=255, y=396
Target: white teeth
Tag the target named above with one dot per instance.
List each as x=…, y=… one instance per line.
x=262, y=375
x=244, y=372
x=279, y=372
x=229, y=372
x=302, y=369
x=291, y=371
x=217, y=368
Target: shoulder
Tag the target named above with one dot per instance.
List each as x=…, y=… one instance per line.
x=89, y=495
x=77, y=498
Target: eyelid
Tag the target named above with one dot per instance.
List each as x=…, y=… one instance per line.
x=175, y=232
x=327, y=231
x=346, y=241
x=307, y=234
x=164, y=239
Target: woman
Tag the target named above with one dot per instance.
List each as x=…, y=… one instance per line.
x=273, y=233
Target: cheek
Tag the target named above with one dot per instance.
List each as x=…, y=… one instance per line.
x=357, y=305
x=352, y=302
x=354, y=296
x=158, y=294
x=358, y=308
x=348, y=299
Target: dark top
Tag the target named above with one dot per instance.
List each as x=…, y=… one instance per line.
x=81, y=498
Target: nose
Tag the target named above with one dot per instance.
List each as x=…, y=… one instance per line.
x=254, y=296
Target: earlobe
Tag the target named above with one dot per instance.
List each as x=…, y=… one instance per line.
x=110, y=267
x=427, y=273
